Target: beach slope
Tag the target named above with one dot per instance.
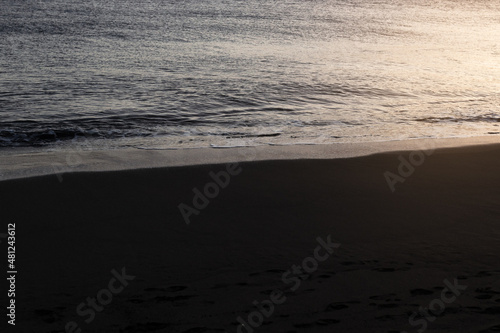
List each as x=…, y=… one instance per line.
x=397, y=241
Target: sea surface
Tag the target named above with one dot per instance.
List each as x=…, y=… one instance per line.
x=166, y=74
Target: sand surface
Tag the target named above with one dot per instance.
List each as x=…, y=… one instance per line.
x=395, y=251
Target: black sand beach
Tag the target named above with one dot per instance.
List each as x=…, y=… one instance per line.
x=120, y=237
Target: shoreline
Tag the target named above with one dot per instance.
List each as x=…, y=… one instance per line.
x=26, y=163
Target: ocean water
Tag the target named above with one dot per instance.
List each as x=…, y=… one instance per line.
x=163, y=74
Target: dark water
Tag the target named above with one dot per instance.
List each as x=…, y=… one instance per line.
x=166, y=74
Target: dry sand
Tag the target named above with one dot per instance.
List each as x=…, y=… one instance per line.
x=398, y=249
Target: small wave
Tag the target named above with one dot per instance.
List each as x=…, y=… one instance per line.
x=487, y=118
x=226, y=146
x=240, y=136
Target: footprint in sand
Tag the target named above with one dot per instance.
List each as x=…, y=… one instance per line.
x=388, y=306
x=203, y=329
x=241, y=284
x=452, y=310
x=162, y=299
x=384, y=269
x=473, y=308
x=491, y=329
x=325, y=276
x=154, y=289
x=146, y=327
x=135, y=301
x=172, y=289
x=382, y=297
x=486, y=273
x=304, y=325
x=196, y=330
x=225, y=285
x=487, y=290
x=336, y=306
x=386, y=317
x=421, y=292
x=327, y=321
x=389, y=300
x=494, y=310
x=320, y=322
x=48, y=316
x=220, y=285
